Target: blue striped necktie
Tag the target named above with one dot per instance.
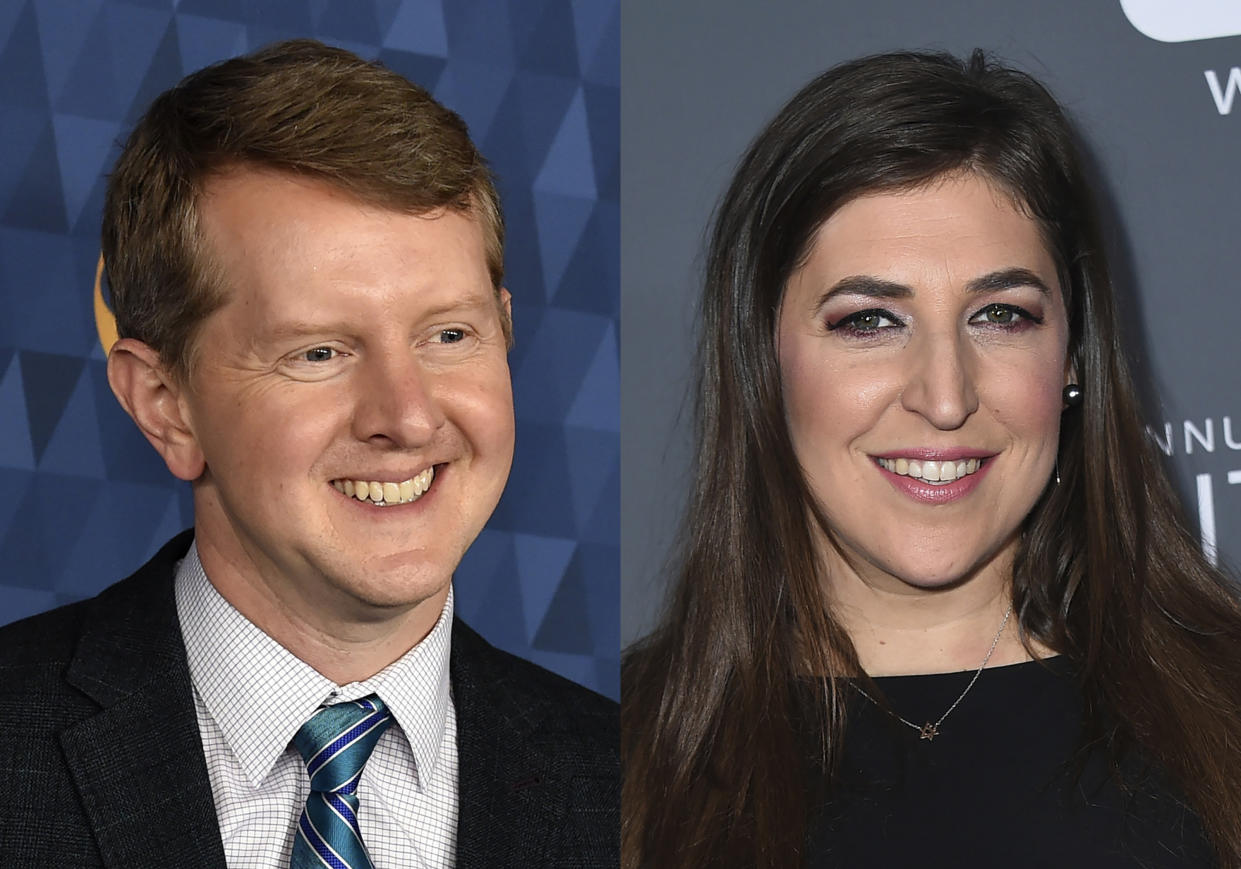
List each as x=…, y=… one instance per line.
x=335, y=743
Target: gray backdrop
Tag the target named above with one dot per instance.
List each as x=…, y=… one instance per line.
x=1162, y=118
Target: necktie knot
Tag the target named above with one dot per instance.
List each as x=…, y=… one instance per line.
x=338, y=740
x=335, y=744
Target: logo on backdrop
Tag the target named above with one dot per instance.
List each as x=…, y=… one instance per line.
x=1217, y=437
x=1224, y=93
x=1188, y=21
x=105, y=323
x=1185, y=20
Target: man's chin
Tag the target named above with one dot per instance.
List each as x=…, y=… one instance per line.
x=393, y=583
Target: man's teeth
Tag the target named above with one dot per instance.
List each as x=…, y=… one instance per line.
x=387, y=494
x=932, y=472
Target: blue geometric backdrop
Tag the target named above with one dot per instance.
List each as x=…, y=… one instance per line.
x=84, y=500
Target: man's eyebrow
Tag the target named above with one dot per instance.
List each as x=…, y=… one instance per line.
x=877, y=288
x=299, y=329
x=293, y=329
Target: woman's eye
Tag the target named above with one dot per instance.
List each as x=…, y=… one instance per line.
x=319, y=354
x=1003, y=315
x=865, y=322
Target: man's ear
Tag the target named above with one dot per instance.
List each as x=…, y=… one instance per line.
x=152, y=397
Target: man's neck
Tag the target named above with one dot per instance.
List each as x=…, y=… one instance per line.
x=341, y=639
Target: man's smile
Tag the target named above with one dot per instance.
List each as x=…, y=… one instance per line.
x=382, y=493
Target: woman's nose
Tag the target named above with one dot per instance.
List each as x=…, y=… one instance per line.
x=940, y=381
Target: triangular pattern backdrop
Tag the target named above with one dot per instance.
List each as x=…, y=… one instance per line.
x=84, y=500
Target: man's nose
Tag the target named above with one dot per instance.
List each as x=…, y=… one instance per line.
x=397, y=402
x=940, y=380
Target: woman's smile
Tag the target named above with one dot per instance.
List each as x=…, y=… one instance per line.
x=935, y=476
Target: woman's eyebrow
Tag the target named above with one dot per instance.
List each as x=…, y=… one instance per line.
x=877, y=288
x=865, y=285
x=1008, y=279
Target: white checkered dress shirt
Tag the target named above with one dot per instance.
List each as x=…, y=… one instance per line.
x=252, y=695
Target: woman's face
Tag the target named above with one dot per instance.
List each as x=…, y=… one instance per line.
x=922, y=349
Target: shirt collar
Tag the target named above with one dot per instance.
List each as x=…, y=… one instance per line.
x=260, y=693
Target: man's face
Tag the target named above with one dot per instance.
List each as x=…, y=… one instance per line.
x=359, y=355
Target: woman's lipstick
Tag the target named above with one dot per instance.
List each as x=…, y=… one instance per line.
x=907, y=471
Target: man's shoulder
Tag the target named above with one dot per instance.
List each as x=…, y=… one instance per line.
x=40, y=646
x=135, y=612
x=95, y=705
x=530, y=698
x=540, y=762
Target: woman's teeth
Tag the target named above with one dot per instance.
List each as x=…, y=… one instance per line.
x=932, y=472
x=387, y=494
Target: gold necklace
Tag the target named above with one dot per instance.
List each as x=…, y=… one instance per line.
x=930, y=730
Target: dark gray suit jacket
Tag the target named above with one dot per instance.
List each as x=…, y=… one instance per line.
x=101, y=763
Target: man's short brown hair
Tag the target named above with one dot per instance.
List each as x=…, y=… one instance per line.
x=298, y=106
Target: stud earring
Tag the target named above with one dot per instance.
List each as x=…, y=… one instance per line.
x=1072, y=395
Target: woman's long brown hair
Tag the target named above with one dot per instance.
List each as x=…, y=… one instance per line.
x=716, y=709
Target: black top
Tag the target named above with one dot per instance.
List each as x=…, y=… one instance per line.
x=997, y=787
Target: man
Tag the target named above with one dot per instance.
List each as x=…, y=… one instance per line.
x=305, y=255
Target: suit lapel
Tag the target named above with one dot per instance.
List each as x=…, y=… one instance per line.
x=509, y=801
x=138, y=764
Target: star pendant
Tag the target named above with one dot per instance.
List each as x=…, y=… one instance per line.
x=929, y=731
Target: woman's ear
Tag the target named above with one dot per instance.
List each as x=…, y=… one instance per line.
x=153, y=398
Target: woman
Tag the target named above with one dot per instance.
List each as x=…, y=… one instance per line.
x=935, y=601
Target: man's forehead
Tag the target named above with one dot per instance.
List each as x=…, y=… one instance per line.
x=249, y=183
x=252, y=215
x=290, y=270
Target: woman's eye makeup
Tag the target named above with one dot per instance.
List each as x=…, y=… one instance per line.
x=873, y=321
x=1005, y=316
x=866, y=322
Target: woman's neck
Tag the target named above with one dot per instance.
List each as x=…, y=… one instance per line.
x=901, y=629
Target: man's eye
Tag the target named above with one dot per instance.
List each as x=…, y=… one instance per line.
x=451, y=336
x=319, y=354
